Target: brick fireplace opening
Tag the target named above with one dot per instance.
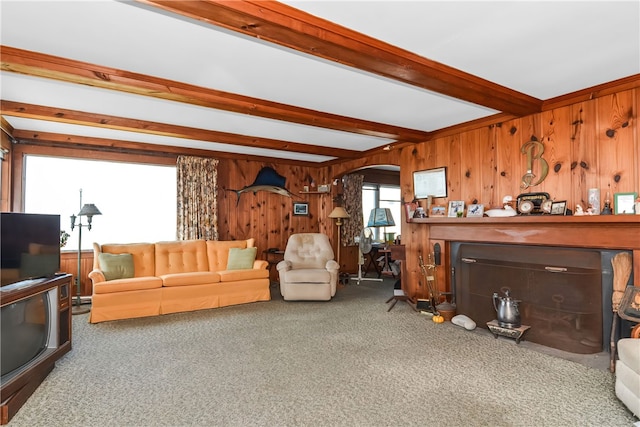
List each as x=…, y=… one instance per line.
x=565, y=293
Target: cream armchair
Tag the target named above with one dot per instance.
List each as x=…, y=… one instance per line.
x=308, y=271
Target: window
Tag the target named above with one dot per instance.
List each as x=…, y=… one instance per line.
x=381, y=196
x=137, y=201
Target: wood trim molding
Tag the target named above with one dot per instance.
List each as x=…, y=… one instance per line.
x=598, y=91
x=16, y=109
x=286, y=26
x=67, y=70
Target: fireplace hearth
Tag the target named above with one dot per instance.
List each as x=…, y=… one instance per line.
x=565, y=293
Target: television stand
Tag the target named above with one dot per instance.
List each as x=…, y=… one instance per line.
x=11, y=406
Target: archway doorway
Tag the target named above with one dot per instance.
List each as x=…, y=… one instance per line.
x=380, y=188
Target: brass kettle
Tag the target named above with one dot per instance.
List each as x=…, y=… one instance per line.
x=507, y=310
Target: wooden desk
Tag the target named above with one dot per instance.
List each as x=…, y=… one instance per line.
x=392, y=252
x=373, y=255
x=398, y=252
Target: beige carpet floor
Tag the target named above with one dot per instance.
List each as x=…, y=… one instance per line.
x=347, y=362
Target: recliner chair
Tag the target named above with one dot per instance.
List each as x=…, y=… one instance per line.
x=308, y=271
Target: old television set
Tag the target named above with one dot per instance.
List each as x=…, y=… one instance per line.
x=29, y=330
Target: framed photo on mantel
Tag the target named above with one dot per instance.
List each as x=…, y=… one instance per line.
x=624, y=203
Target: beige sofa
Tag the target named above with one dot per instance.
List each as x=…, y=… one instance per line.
x=149, y=279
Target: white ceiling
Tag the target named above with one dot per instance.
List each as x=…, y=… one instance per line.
x=543, y=49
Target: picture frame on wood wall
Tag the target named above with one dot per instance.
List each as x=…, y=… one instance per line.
x=410, y=210
x=301, y=209
x=430, y=182
x=475, y=210
x=437, y=210
x=624, y=203
x=456, y=208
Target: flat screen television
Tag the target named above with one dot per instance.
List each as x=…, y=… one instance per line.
x=29, y=246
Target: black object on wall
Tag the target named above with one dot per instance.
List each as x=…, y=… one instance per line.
x=437, y=254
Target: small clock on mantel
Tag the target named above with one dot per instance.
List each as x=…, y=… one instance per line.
x=525, y=207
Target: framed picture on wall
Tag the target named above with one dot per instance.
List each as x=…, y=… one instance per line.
x=301, y=209
x=430, y=182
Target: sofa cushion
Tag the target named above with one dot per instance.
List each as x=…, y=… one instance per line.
x=238, y=275
x=310, y=275
x=183, y=256
x=192, y=278
x=124, y=285
x=144, y=264
x=308, y=250
x=241, y=259
x=218, y=252
x=116, y=266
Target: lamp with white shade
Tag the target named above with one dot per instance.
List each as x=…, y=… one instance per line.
x=339, y=213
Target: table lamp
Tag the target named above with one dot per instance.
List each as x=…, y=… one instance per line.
x=381, y=217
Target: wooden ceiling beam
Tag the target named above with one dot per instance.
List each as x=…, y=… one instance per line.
x=16, y=109
x=70, y=71
x=286, y=26
x=49, y=139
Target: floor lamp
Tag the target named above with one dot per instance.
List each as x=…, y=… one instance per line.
x=88, y=210
x=338, y=213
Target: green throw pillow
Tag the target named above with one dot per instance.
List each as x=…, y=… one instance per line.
x=116, y=266
x=241, y=259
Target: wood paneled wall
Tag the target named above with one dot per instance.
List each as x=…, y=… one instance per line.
x=69, y=264
x=266, y=216
x=590, y=144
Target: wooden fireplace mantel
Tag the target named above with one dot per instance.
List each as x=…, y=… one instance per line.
x=621, y=232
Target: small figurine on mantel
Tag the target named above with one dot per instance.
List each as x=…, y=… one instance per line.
x=606, y=210
x=580, y=211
